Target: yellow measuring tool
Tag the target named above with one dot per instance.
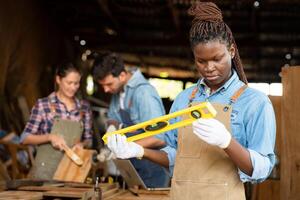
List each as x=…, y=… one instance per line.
x=161, y=124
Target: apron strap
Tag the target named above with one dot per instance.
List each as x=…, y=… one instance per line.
x=52, y=107
x=237, y=94
x=233, y=99
x=81, y=111
x=53, y=110
x=192, y=96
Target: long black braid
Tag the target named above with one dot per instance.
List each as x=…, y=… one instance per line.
x=208, y=25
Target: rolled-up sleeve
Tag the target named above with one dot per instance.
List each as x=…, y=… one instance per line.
x=33, y=125
x=261, y=133
x=262, y=166
x=171, y=152
x=170, y=138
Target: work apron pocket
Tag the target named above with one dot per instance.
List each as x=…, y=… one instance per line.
x=189, y=145
x=197, y=190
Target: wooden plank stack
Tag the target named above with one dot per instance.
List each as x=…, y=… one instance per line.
x=61, y=190
x=79, y=191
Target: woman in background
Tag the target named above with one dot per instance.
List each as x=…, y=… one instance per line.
x=57, y=121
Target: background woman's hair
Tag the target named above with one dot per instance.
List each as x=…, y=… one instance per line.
x=208, y=25
x=62, y=70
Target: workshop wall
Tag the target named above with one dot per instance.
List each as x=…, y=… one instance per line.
x=29, y=46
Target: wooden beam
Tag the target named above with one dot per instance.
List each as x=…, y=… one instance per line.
x=175, y=16
x=105, y=9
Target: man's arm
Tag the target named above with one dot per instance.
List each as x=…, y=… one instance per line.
x=159, y=157
x=151, y=142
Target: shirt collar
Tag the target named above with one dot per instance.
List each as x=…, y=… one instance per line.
x=204, y=88
x=54, y=99
x=137, y=78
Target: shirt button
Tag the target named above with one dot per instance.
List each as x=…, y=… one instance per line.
x=222, y=91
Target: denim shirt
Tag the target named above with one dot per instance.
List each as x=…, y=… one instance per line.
x=142, y=101
x=252, y=123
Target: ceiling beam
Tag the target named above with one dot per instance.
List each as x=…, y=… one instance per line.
x=105, y=9
x=175, y=16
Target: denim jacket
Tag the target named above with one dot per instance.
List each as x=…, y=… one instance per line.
x=142, y=101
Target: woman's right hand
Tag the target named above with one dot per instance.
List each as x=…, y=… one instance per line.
x=57, y=141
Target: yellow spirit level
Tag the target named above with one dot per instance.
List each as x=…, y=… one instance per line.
x=161, y=124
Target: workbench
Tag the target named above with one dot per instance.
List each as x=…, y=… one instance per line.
x=67, y=190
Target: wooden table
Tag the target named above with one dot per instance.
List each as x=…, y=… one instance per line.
x=80, y=191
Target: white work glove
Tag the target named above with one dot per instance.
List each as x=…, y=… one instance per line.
x=212, y=131
x=105, y=153
x=122, y=149
x=111, y=128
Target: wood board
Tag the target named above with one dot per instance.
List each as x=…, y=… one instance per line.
x=24, y=195
x=290, y=156
x=67, y=170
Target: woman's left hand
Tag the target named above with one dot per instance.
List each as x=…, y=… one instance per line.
x=212, y=131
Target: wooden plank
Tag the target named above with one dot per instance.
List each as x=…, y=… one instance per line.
x=290, y=155
x=65, y=193
x=117, y=194
x=51, y=188
x=67, y=170
x=110, y=192
x=25, y=195
x=130, y=196
x=15, y=184
x=73, y=190
x=108, y=186
x=269, y=189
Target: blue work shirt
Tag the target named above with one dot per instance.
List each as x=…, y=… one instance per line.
x=252, y=123
x=141, y=103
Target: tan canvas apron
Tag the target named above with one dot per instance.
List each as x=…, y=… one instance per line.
x=48, y=158
x=203, y=171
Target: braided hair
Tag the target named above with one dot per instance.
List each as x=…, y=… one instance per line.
x=208, y=25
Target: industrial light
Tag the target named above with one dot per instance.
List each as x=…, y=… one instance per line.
x=288, y=56
x=89, y=85
x=83, y=57
x=88, y=52
x=164, y=74
x=110, y=31
x=82, y=42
